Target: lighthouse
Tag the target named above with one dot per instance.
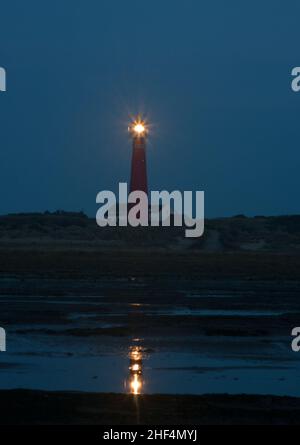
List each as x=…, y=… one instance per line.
x=138, y=178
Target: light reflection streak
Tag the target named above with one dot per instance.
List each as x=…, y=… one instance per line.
x=135, y=370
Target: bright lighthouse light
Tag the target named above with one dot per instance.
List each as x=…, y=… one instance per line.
x=139, y=128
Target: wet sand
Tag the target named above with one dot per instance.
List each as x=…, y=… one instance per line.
x=66, y=408
x=217, y=324
x=76, y=260
x=194, y=336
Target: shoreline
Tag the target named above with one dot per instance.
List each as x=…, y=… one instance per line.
x=28, y=407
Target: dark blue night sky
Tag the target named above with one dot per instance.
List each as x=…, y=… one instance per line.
x=212, y=76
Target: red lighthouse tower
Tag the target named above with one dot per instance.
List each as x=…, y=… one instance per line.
x=138, y=179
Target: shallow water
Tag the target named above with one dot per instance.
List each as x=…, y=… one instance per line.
x=57, y=343
x=171, y=372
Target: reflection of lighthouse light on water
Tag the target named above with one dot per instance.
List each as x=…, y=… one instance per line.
x=135, y=370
